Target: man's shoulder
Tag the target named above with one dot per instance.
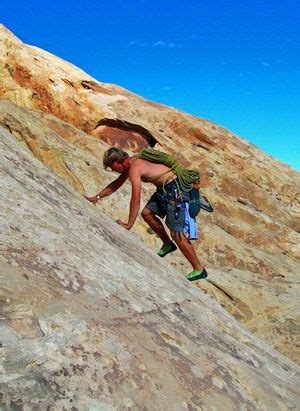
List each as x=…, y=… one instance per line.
x=139, y=167
x=139, y=163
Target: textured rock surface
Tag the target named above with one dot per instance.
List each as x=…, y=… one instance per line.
x=90, y=321
x=257, y=249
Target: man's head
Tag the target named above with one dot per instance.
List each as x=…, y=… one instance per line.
x=113, y=155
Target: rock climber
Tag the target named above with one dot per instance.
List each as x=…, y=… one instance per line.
x=169, y=201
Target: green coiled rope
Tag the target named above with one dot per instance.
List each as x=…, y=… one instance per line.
x=186, y=178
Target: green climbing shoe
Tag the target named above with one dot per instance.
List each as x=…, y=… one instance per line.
x=166, y=249
x=196, y=275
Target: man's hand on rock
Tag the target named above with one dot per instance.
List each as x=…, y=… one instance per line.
x=120, y=222
x=93, y=199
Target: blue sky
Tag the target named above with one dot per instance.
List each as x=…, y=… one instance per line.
x=236, y=63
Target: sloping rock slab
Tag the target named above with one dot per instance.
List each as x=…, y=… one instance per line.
x=89, y=319
x=255, y=227
x=267, y=304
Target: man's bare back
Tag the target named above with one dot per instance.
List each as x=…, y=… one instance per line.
x=148, y=171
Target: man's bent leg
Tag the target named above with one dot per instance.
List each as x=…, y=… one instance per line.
x=156, y=225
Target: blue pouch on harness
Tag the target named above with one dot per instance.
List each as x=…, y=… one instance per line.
x=197, y=201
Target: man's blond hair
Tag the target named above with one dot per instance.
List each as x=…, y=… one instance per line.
x=114, y=154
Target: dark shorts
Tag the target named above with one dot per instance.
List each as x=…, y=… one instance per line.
x=172, y=203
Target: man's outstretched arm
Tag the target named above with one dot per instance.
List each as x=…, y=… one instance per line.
x=108, y=190
x=135, y=201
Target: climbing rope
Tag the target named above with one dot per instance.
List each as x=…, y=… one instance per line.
x=186, y=178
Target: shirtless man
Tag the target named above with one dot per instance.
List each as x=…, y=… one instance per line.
x=138, y=171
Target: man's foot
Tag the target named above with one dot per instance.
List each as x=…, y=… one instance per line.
x=197, y=275
x=166, y=249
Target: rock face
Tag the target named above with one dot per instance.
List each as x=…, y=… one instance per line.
x=267, y=304
x=253, y=235
x=89, y=319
